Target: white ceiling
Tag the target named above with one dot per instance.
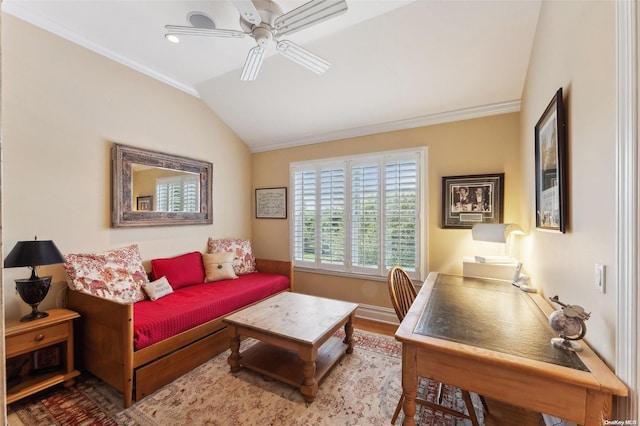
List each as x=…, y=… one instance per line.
x=395, y=63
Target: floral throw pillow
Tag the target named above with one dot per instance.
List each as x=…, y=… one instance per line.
x=117, y=275
x=243, y=260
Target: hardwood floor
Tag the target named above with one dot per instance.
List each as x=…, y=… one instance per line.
x=501, y=414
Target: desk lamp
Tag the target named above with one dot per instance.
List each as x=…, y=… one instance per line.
x=496, y=233
x=33, y=289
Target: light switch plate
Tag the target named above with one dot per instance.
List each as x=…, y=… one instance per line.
x=600, y=277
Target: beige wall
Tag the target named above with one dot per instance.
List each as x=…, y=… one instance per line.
x=63, y=106
x=574, y=49
x=479, y=146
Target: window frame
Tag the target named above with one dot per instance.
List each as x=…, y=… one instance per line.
x=347, y=268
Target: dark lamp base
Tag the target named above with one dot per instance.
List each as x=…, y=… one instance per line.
x=33, y=316
x=33, y=291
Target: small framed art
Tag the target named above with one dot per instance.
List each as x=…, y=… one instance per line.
x=551, y=191
x=271, y=203
x=144, y=203
x=467, y=200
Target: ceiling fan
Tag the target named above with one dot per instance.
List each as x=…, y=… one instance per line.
x=264, y=21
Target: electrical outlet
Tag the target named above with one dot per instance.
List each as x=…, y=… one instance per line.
x=600, y=277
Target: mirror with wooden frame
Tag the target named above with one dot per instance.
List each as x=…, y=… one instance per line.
x=152, y=188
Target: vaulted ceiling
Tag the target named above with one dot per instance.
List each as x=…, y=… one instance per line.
x=394, y=63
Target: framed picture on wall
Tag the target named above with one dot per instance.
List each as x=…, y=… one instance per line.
x=145, y=203
x=467, y=200
x=551, y=191
x=271, y=203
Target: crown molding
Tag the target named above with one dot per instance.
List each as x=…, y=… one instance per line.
x=425, y=120
x=19, y=10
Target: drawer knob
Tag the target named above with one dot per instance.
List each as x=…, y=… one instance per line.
x=39, y=337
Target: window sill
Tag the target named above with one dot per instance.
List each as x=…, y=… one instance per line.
x=348, y=275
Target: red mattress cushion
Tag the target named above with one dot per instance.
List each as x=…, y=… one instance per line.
x=194, y=305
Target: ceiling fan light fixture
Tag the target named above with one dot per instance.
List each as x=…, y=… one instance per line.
x=264, y=21
x=262, y=36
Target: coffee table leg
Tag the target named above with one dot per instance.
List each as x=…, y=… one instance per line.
x=234, y=343
x=348, y=331
x=309, y=388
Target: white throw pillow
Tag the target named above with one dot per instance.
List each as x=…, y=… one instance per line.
x=158, y=288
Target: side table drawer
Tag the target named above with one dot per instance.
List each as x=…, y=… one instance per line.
x=31, y=340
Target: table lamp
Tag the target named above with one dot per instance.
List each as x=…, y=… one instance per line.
x=33, y=289
x=496, y=233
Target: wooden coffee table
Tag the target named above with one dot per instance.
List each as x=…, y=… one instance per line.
x=296, y=343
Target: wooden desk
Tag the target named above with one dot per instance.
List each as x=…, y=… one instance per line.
x=584, y=397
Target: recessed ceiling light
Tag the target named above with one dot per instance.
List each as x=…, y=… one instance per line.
x=172, y=38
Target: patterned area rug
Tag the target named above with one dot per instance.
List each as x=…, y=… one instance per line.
x=362, y=389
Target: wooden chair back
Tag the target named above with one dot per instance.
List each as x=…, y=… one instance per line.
x=401, y=290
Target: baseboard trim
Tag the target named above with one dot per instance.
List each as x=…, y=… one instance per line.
x=377, y=313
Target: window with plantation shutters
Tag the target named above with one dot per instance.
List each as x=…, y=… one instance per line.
x=360, y=215
x=332, y=215
x=401, y=224
x=178, y=194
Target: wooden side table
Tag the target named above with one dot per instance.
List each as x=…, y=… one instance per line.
x=43, y=350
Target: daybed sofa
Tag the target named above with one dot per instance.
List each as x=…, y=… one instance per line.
x=137, y=344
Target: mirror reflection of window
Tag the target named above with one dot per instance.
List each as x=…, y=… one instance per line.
x=177, y=194
x=174, y=190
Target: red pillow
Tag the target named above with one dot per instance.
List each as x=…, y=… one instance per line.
x=181, y=271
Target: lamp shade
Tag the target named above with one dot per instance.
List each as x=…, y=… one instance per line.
x=33, y=253
x=494, y=232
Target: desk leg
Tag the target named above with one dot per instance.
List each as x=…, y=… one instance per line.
x=409, y=383
x=598, y=408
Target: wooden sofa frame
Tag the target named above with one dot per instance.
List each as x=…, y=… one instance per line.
x=104, y=337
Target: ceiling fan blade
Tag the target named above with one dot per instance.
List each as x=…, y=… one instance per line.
x=309, y=14
x=252, y=64
x=248, y=11
x=180, y=30
x=302, y=56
